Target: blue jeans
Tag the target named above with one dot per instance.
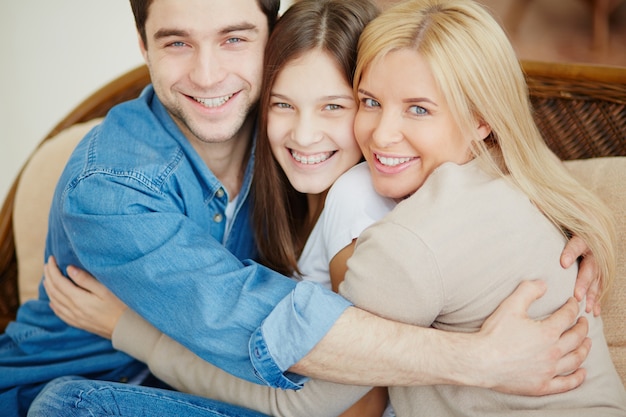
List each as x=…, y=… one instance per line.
x=76, y=396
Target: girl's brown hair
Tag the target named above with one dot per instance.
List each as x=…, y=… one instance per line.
x=279, y=211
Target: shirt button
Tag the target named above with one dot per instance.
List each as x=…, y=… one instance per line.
x=219, y=193
x=218, y=218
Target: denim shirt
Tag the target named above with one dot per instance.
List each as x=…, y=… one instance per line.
x=138, y=208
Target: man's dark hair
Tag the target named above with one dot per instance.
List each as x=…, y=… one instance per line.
x=140, y=11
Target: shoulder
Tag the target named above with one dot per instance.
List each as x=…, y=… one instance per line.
x=354, y=196
x=132, y=141
x=358, y=177
x=355, y=188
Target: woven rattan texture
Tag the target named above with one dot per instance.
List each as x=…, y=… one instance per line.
x=581, y=119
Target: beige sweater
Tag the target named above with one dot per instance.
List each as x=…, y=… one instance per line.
x=465, y=268
x=447, y=257
x=189, y=373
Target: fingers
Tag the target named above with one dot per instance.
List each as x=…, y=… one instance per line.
x=575, y=346
x=589, y=283
x=575, y=248
x=84, y=280
x=52, y=282
x=524, y=295
x=61, y=292
x=561, y=384
x=568, y=367
x=562, y=319
x=584, y=280
x=589, y=280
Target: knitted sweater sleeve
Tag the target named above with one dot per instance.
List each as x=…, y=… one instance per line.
x=186, y=372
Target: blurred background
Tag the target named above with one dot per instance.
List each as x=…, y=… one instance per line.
x=56, y=53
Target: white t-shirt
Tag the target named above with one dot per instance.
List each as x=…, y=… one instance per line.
x=351, y=206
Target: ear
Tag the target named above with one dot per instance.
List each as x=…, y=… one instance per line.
x=142, y=48
x=482, y=130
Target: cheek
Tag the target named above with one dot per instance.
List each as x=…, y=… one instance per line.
x=352, y=150
x=255, y=78
x=343, y=132
x=276, y=129
x=276, y=134
x=362, y=129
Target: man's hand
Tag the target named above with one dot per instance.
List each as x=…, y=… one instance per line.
x=589, y=281
x=529, y=357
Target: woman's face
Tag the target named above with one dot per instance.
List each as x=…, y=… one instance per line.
x=404, y=125
x=310, y=122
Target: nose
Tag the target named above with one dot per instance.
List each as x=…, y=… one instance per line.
x=388, y=130
x=307, y=130
x=206, y=68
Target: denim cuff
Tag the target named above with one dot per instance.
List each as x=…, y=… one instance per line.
x=292, y=329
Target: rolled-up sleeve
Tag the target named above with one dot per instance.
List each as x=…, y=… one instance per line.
x=164, y=265
x=291, y=330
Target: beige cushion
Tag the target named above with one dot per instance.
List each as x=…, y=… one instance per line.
x=607, y=178
x=32, y=203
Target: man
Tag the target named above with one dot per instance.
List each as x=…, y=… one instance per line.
x=154, y=202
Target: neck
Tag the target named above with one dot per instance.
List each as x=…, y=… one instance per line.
x=228, y=159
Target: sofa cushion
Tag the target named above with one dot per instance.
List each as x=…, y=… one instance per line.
x=607, y=178
x=33, y=197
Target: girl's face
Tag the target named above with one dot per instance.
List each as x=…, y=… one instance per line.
x=310, y=122
x=404, y=125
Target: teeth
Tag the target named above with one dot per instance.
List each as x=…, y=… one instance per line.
x=311, y=159
x=213, y=102
x=392, y=162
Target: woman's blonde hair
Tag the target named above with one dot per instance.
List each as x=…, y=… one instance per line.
x=478, y=73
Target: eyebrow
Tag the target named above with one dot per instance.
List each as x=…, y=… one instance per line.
x=331, y=97
x=239, y=27
x=166, y=33
x=408, y=100
x=420, y=100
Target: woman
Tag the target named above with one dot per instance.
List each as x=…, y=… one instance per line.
x=484, y=203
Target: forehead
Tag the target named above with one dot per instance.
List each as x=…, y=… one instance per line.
x=404, y=67
x=311, y=66
x=204, y=16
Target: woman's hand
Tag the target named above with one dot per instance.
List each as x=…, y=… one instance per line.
x=86, y=303
x=589, y=281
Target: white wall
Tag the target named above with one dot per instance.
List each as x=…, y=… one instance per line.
x=53, y=55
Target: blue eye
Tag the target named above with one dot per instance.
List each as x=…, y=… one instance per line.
x=282, y=105
x=418, y=110
x=370, y=102
x=178, y=44
x=234, y=40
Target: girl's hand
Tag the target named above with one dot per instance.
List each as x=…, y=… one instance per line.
x=589, y=281
x=86, y=303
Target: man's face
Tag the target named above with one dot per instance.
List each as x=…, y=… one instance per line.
x=206, y=60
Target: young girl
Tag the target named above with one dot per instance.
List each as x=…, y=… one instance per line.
x=446, y=127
